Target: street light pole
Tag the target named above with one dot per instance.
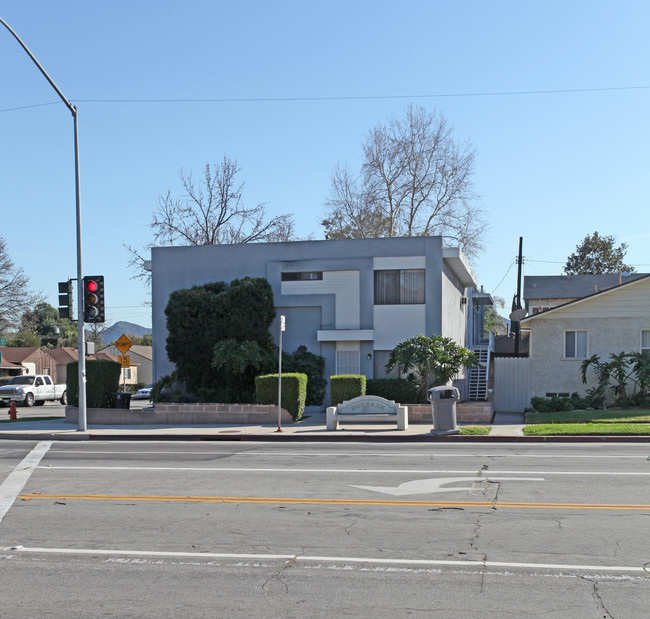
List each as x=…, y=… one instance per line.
x=80, y=317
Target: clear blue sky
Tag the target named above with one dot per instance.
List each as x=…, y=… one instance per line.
x=562, y=149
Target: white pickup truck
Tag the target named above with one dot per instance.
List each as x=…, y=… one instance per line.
x=30, y=389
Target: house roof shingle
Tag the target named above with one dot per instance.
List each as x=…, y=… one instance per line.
x=573, y=286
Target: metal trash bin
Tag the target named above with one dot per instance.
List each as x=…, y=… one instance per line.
x=443, y=407
x=120, y=400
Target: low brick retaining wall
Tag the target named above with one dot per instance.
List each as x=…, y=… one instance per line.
x=481, y=413
x=248, y=414
x=183, y=414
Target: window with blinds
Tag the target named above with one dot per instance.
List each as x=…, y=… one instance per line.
x=399, y=287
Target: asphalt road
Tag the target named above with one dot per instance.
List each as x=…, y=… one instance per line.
x=272, y=529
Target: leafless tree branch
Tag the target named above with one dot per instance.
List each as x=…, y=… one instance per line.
x=416, y=180
x=210, y=212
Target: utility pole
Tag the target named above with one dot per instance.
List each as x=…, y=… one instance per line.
x=80, y=320
x=519, y=262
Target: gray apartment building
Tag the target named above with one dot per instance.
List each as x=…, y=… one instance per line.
x=349, y=300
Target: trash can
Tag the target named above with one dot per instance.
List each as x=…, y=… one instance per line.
x=120, y=400
x=443, y=406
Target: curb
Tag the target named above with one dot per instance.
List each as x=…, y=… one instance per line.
x=340, y=438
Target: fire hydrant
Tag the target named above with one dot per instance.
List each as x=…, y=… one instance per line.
x=12, y=411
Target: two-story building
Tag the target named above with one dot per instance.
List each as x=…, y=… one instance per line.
x=351, y=301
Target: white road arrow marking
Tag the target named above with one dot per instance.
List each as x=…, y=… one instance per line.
x=433, y=486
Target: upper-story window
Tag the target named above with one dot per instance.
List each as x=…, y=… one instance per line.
x=302, y=276
x=399, y=287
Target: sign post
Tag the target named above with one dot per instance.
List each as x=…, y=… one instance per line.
x=282, y=328
x=123, y=344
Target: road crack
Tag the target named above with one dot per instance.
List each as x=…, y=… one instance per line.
x=599, y=600
x=347, y=529
x=277, y=577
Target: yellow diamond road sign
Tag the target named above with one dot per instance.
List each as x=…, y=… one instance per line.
x=123, y=344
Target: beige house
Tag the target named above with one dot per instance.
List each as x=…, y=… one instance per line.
x=561, y=338
x=140, y=359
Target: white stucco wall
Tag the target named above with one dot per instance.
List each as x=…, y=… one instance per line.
x=613, y=320
x=397, y=323
x=454, y=313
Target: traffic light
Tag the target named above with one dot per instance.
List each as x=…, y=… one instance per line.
x=94, y=298
x=65, y=299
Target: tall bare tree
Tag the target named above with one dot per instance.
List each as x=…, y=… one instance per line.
x=211, y=212
x=15, y=296
x=416, y=180
x=351, y=214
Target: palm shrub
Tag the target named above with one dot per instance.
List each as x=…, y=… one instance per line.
x=435, y=360
x=613, y=378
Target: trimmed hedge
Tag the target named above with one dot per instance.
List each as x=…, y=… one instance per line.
x=102, y=378
x=294, y=392
x=403, y=391
x=344, y=387
x=555, y=404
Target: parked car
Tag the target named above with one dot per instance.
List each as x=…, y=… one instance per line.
x=144, y=393
x=32, y=389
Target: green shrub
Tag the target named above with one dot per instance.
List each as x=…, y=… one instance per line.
x=166, y=389
x=345, y=387
x=200, y=317
x=399, y=389
x=294, y=391
x=301, y=360
x=555, y=404
x=102, y=378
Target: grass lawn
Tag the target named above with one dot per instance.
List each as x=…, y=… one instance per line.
x=607, y=429
x=475, y=430
x=600, y=416
x=600, y=422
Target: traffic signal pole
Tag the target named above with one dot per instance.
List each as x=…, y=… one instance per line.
x=80, y=320
x=82, y=426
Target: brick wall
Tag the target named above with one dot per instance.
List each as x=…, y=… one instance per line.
x=466, y=412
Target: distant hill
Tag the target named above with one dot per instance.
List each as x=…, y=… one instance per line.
x=122, y=327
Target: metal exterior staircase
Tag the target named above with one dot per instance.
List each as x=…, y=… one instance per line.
x=477, y=387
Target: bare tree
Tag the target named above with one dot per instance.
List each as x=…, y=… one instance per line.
x=211, y=212
x=15, y=296
x=416, y=180
x=352, y=215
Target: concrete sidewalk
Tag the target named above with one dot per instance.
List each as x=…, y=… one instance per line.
x=310, y=428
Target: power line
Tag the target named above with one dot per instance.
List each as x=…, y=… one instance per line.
x=368, y=97
x=26, y=107
x=503, y=93
x=506, y=275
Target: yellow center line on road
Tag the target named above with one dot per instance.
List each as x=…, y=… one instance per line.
x=306, y=501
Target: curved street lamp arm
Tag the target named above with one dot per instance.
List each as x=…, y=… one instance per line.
x=69, y=105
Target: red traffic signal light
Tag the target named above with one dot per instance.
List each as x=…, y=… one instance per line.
x=94, y=298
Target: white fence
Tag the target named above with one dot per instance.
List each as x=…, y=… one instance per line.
x=512, y=384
